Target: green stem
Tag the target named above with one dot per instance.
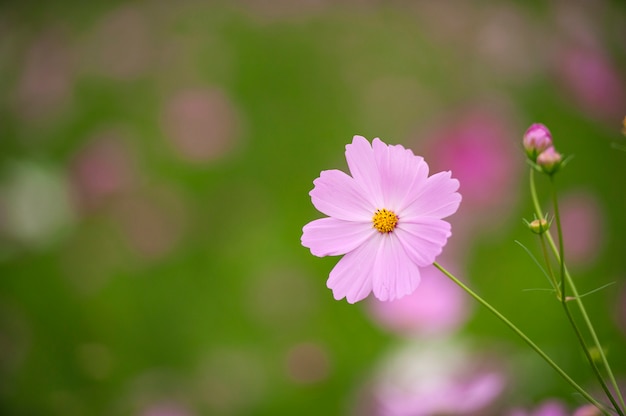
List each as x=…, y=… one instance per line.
x=557, y=218
x=581, y=339
x=526, y=339
x=596, y=371
x=568, y=278
x=561, y=297
x=555, y=284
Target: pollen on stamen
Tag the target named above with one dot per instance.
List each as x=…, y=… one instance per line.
x=384, y=220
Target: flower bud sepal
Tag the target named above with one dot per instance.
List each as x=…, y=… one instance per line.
x=551, y=165
x=539, y=225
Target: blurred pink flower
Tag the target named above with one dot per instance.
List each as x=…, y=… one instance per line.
x=102, y=168
x=386, y=218
x=153, y=222
x=439, y=306
x=583, y=227
x=432, y=378
x=166, y=408
x=505, y=36
x=45, y=85
x=121, y=45
x=587, y=410
x=480, y=146
x=547, y=408
x=308, y=363
x=592, y=80
x=201, y=124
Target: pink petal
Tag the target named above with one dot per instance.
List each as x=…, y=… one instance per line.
x=437, y=199
x=337, y=195
x=402, y=173
x=333, y=237
x=360, y=158
x=352, y=276
x=423, y=239
x=395, y=274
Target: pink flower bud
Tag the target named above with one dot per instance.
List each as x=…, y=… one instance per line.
x=549, y=160
x=536, y=139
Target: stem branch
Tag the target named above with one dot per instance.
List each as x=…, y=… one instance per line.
x=566, y=278
x=526, y=339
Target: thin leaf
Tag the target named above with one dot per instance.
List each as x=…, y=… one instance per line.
x=595, y=290
x=538, y=289
x=537, y=263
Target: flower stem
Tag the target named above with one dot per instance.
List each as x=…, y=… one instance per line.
x=560, y=294
x=566, y=278
x=561, y=259
x=528, y=341
x=555, y=284
x=596, y=371
x=557, y=218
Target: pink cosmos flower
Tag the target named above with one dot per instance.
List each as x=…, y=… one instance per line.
x=386, y=218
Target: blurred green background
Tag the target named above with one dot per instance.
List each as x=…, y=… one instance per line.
x=155, y=164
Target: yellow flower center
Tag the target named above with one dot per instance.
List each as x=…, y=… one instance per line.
x=384, y=220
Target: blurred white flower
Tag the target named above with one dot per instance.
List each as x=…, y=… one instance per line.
x=35, y=204
x=439, y=377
